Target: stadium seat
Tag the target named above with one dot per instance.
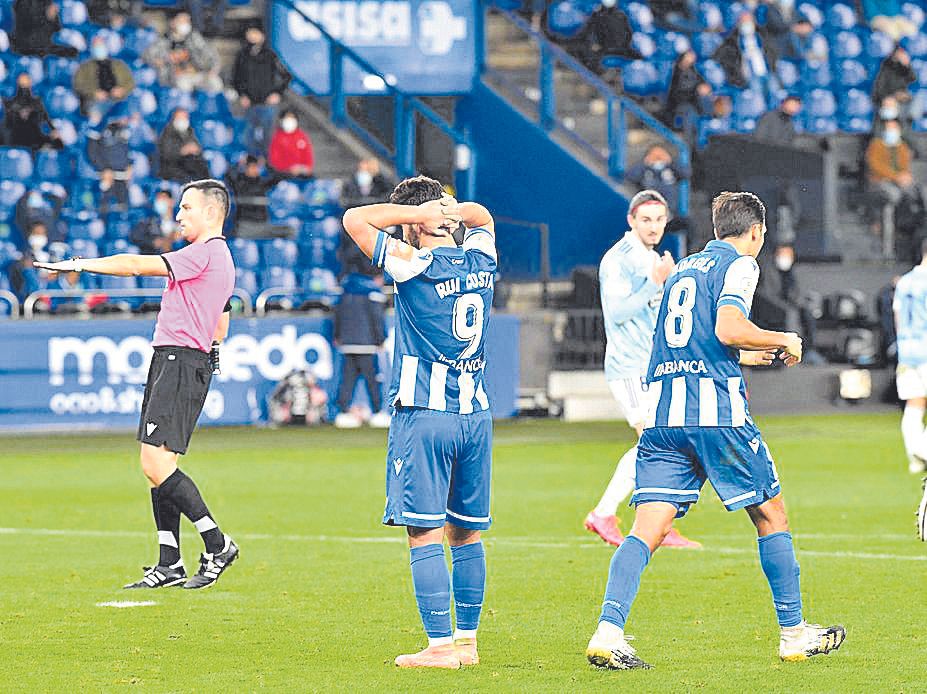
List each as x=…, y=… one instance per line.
x=748, y=105
x=54, y=165
x=644, y=44
x=73, y=13
x=142, y=101
x=813, y=12
x=706, y=43
x=66, y=131
x=59, y=71
x=10, y=193
x=217, y=163
x=245, y=253
x=846, y=44
x=135, y=42
x=9, y=253
x=851, y=73
x=788, y=73
x=69, y=36
x=118, y=225
x=285, y=200
x=113, y=39
x=84, y=248
x=141, y=165
x=144, y=75
x=320, y=192
x=213, y=134
x=915, y=13
x=247, y=280
x=840, y=17
x=212, y=106
x=85, y=226
x=318, y=283
x=641, y=17
x=29, y=64
x=15, y=164
x=915, y=45
x=565, y=19
x=815, y=75
x=120, y=246
x=710, y=17
x=713, y=73
x=855, y=112
x=171, y=99
x=820, y=108
x=879, y=45
x=641, y=78
x=110, y=282
x=279, y=252
x=282, y=278
x=149, y=282
x=61, y=102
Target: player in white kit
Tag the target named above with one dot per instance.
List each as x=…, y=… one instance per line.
x=631, y=277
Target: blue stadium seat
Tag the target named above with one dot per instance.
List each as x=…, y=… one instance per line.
x=213, y=134
x=217, y=163
x=320, y=192
x=212, y=106
x=565, y=19
x=120, y=246
x=820, y=108
x=84, y=248
x=135, y=41
x=915, y=13
x=109, y=282
x=713, y=73
x=279, y=253
x=318, y=283
x=59, y=71
x=915, y=45
x=68, y=36
x=15, y=164
x=879, y=45
x=788, y=73
x=29, y=64
x=54, y=165
x=141, y=165
x=851, y=73
x=730, y=11
x=672, y=44
x=85, y=226
x=247, y=280
x=855, y=112
x=245, y=253
x=641, y=78
x=119, y=225
x=285, y=200
x=706, y=43
x=644, y=44
x=641, y=17
x=171, y=99
x=846, y=44
x=816, y=75
x=9, y=253
x=840, y=17
x=148, y=282
x=61, y=102
x=282, y=278
x=144, y=75
x=813, y=12
x=10, y=193
x=748, y=105
x=142, y=101
x=73, y=13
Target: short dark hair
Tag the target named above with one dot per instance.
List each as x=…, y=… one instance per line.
x=212, y=189
x=732, y=214
x=416, y=191
x=643, y=197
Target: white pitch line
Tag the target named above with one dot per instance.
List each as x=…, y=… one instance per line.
x=526, y=542
x=127, y=603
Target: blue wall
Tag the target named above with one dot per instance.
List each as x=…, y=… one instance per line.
x=523, y=174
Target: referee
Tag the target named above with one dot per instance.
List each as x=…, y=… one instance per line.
x=193, y=320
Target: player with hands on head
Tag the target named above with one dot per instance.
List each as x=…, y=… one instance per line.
x=631, y=279
x=440, y=437
x=193, y=319
x=699, y=428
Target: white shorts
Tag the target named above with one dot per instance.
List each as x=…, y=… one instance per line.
x=911, y=381
x=632, y=399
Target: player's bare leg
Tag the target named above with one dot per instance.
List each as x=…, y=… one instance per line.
x=798, y=640
x=914, y=435
x=608, y=647
x=469, y=581
x=432, y=593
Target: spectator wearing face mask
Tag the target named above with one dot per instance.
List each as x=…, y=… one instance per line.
x=108, y=144
x=366, y=186
x=250, y=186
x=101, y=81
x=658, y=171
x=689, y=95
x=181, y=156
x=803, y=43
x=290, y=152
x=26, y=118
x=158, y=232
x=894, y=78
x=260, y=80
x=184, y=59
x=36, y=209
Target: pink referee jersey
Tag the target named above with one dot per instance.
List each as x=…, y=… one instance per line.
x=201, y=277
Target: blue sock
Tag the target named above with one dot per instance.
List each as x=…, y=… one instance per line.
x=469, y=575
x=624, y=579
x=432, y=589
x=777, y=557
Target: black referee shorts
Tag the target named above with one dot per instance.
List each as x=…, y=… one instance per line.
x=178, y=381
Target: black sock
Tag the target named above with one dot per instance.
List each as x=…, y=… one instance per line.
x=182, y=491
x=167, y=520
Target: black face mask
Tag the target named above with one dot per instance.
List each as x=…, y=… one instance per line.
x=23, y=92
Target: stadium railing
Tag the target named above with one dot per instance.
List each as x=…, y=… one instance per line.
x=407, y=109
x=617, y=109
x=10, y=298
x=31, y=300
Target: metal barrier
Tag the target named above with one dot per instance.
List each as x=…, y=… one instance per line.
x=10, y=298
x=32, y=299
x=260, y=304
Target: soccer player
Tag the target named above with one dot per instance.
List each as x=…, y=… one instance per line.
x=631, y=277
x=192, y=321
x=910, y=307
x=440, y=437
x=698, y=427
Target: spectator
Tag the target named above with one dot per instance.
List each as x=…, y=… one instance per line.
x=366, y=186
x=676, y=15
x=803, y=43
x=113, y=194
x=101, y=81
x=37, y=242
x=250, y=186
x=778, y=126
x=745, y=58
x=35, y=209
x=607, y=32
x=772, y=25
x=359, y=334
x=26, y=116
x=114, y=13
x=184, y=59
x=36, y=23
x=216, y=16
x=888, y=167
x=657, y=171
x=894, y=78
x=260, y=80
x=181, y=156
x=689, y=95
x=886, y=16
x=290, y=151
x=24, y=279
x=157, y=233
x=108, y=144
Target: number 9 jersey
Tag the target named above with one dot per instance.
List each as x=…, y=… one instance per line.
x=694, y=380
x=443, y=300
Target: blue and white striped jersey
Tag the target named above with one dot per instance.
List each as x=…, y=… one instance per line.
x=694, y=380
x=630, y=300
x=910, y=307
x=443, y=300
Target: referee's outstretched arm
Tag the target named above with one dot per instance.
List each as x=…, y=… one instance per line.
x=123, y=264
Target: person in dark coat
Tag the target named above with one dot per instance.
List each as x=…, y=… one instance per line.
x=250, y=186
x=366, y=186
x=778, y=126
x=26, y=117
x=158, y=232
x=689, y=95
x=181, y=156
x=894, y=77
x=108, y=145
x=744, y=56
x=36, y=22
x=260, y=80
x=607, y=33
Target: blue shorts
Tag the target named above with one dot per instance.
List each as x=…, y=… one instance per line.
x=438, y=467
x=674, y=462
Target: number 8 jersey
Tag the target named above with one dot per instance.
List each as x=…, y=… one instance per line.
x=694, y=380
x=443, y=299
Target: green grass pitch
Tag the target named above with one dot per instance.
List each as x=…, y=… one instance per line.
x=321, y=599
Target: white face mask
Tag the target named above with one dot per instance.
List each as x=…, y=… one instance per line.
x=182, y=30
x=892, y=137
x=888, y=113
x=288, y=125
x=747, y=28
x=364, y=178
x=99, y=52
x=37, y=242
x=161, y=207
x=783, y=263
x=181, y=124
x=608, y=3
